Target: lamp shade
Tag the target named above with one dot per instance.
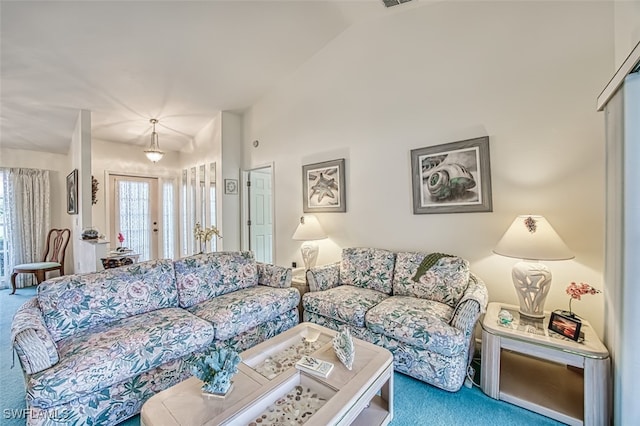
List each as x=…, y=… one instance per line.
x=532, y=237
x=309, y=229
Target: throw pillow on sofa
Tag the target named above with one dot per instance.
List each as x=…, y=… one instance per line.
x=444, y=281
x=205, y=276
x=368, y=268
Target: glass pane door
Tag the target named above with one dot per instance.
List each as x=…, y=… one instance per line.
x=135, y=215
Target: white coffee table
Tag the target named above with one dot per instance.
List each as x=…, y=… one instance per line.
x=362, y=396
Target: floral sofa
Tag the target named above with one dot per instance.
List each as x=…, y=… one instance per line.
x=422, y=307
x=95, y=347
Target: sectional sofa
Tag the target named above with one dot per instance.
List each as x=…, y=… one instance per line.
x=422, y=307
x=95, y=347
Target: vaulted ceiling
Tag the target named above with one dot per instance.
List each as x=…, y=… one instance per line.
x=128, y=61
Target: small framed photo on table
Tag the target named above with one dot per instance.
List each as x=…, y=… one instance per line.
x=565, y=324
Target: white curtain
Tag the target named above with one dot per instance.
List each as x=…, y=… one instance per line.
x=135, y=217
x=27, y=212
x=168, y=220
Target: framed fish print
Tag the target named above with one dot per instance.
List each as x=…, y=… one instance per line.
x=452, y=178
x=323, y=187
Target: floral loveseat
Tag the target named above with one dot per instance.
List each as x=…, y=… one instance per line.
x=422, y=307
x=95, y=347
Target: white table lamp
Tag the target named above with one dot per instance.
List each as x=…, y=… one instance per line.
x=309, y=231
x=532, y=238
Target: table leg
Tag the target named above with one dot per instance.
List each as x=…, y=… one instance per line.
x=596, y=392
x=490, y=369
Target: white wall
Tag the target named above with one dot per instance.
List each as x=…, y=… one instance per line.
x=59, y=168
x=621, y=313
x=525, y=73
x=230, y=169
x=627, y=29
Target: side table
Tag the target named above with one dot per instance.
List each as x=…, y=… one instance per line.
x=528, y=365
x=299, y=281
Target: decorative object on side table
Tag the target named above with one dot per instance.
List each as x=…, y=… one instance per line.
x=505, y=317
x=216, y=368
x=204, y=235
x=532, y=239
x=90, y=233
x=309, y=231
x=576, y=291
x=344, y=348
x=567, y=323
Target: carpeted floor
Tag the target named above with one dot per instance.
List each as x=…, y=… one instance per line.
x=415, y=402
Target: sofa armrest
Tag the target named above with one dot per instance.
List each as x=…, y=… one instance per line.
x=473, y=302
x=273, y=275
x=324, y=277
x=31, y=339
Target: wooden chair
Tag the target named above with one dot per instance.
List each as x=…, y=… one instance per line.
x=53, y=259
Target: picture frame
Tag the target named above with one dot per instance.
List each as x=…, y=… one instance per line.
x=565, y=325
x=231, y=186
x=323, y=187
x=432, y=169
x=72, y=192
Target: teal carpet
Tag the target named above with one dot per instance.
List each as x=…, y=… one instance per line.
x=415, y=403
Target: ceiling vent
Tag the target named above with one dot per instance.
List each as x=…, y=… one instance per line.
x=390, y=3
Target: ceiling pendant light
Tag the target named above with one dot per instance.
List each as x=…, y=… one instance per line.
x=154, y=154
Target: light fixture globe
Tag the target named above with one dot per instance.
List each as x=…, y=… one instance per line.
x=154, y=154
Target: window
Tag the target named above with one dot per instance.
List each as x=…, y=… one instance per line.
x=168, y=220
x=183, y=213
x=4, y=250
x=135, y=217
x=198, y=205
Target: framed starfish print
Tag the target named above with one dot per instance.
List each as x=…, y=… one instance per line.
x=323, y=188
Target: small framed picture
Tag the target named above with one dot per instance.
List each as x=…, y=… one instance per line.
x=566, y=325
x=323, y=187
x=231, y=186
x=72, y=192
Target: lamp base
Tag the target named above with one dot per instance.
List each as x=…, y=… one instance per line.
x=309, y=250
x=532, y=282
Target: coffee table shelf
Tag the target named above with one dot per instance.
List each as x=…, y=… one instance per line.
x=362, y=396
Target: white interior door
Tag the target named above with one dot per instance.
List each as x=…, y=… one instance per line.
x=134, y=213
x=260, y=196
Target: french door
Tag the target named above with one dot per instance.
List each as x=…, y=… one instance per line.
x=134, y=214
